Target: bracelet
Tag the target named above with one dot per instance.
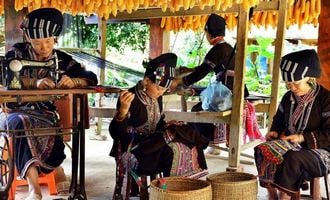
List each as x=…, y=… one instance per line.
x=118, y=116
x=76, y=82
x=32, y=83
x=314, y=140
x=168, y=136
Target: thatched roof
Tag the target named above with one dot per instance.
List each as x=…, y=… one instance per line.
x=298, y=12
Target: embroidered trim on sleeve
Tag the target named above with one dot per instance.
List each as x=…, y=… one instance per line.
x=326, y=114
x=210, y=63
x=120, y=120
x=280, y=107
x=314, y=140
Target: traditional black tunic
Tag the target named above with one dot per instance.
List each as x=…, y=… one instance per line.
x=47, y=152
x=313, y=160
x=217, y=60
x=142, y=134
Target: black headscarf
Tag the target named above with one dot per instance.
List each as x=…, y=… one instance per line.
x=215, y=25
x=43, y=23
x=161, y=70
x=298, y=65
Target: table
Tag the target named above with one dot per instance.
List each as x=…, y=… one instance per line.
x=79, y=103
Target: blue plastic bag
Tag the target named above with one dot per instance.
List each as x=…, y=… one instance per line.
x=216, y=97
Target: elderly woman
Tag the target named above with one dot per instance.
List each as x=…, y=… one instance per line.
x=143, y=143
x=299, y=140
x=34, y=155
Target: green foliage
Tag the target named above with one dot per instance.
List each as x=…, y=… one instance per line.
x=119, y=35
x=255, y=79
x=191, y=53
x=119, y=79
x=254, y=84
x=196, y=54
x=123, y=35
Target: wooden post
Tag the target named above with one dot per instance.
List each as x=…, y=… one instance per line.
x=102, y=26
x=281, y=27
x=236, y=129
x=323, y=46
x=166, y=41
x=156, y=38
x=13, y=19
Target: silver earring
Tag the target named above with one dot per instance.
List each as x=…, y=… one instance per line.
x=144, y=89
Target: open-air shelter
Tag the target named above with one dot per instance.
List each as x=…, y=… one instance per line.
x=167, y=15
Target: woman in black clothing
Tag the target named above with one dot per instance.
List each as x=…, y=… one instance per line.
x=34, y=155
x=143, y=143
x=299, y=140
x=220, y=59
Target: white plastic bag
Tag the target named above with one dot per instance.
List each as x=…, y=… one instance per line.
x=216, y=97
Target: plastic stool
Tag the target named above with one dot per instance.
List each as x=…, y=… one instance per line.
x=48, y=179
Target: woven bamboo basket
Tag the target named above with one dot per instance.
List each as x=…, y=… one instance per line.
x=179, y=188
x=233, y=185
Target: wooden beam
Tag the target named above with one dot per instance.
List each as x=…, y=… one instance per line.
x=148, y=13
x=166, y=41
x=201, y=117
x=102, y=50
x=102, y=112
x=236, y=129
x=281, y=27
x=262, y=107
x=102, y=26
x=323, y=46
x=156, y=38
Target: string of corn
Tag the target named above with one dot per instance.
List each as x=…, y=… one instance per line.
x=299, y=11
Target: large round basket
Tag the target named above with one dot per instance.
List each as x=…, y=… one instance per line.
x=233, y=185
x=179, y=188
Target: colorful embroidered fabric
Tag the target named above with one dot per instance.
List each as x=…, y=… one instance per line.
x=269, y=156
x=40, y=147
x=221, y=133
x=251, y=124
x=185, y=161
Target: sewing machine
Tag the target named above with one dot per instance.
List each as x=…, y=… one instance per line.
x=11, y=70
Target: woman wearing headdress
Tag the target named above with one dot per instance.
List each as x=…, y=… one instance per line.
x=220, y=59
x=34, y=155
x=299, y=140
x=144, y=143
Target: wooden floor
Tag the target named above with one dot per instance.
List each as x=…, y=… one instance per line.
x=100, y=170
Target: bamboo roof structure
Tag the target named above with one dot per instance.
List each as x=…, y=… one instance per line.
x=183, y=14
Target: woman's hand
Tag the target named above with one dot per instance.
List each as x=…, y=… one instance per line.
x=295, y=138
x=67, y=82
x=185, y=70
x=272, y=135
x=126, y=99
x=175, y=83
x=45, y=83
